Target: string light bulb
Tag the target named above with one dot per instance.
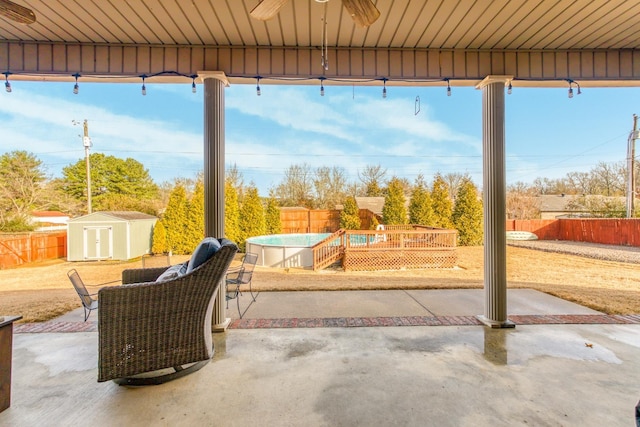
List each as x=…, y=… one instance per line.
x=7, y=85
x=144, y=88
x=76, y=88
x=193, y=84
x=448, y=88
x=384, y=88
x=571, y=83
x=509, y=89
x=258, y=91
x=322, y=86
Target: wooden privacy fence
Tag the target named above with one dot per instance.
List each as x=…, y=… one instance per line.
x=21, y=248
x=610, y=231
x=419, y=247
x=302, y=220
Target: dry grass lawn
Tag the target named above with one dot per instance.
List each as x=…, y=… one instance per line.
x=41, y=292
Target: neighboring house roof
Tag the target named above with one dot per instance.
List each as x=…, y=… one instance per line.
x=561, y=202
x=374, y=204
x=48, y=214
x=555, y=202
x=49, y=220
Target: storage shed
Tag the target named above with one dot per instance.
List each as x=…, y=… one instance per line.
x=118, y=235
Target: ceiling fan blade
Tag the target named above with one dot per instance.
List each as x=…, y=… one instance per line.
x=267, y=9
x=16, y=12
x=363, y=12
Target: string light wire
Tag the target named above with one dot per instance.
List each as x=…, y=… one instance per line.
x=284, y=80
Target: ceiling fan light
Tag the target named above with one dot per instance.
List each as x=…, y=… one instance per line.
x=16, y=12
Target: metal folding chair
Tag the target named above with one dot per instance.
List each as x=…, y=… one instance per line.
x=89, y=303
x=241, y=275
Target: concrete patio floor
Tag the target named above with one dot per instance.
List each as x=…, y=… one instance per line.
x=549, y=374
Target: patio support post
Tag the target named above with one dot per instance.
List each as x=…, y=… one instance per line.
x=214, y=171
x=494, y=206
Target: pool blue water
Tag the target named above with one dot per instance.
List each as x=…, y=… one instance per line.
x=289, y=240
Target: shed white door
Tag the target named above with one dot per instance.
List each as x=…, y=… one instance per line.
x=98, y=242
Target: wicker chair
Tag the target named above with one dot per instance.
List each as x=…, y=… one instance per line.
x=156, y=328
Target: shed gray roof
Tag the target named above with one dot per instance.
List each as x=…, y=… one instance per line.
x=128, y=215
x=124, y=215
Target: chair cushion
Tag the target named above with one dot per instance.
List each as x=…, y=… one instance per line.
x=205, y=250
x=173, y=272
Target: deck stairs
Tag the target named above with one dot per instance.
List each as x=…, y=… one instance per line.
x=329, y=251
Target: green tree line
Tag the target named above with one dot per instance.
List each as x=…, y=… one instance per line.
x=125, y=184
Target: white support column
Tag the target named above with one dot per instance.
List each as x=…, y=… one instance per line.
x=214, y=171
x=494, y=190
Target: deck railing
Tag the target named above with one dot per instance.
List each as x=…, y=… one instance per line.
x=396, y=247
x=328, y=250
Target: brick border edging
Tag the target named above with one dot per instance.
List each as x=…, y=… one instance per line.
x=356, y=322
x=350, y=322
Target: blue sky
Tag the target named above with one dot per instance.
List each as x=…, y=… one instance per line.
x=548, y=134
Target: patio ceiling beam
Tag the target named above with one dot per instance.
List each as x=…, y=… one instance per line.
x=537, y=68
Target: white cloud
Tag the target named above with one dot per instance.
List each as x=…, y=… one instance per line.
x=291, y=108
x=43, y=125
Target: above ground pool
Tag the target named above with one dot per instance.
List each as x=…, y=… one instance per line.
x=284, y=250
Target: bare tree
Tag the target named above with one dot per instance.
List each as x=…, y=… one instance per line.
x=581, y=183
x=454, y=180
x=609, y=179
x=371, y=177
x=522, y=202
x=296, y=188
x=551, y=186
x=329, y=184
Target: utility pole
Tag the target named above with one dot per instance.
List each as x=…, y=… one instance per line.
x=631, y=154
x=86, y=141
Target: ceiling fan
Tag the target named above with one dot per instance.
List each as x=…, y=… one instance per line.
x=363, y=12
x=16, y=12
